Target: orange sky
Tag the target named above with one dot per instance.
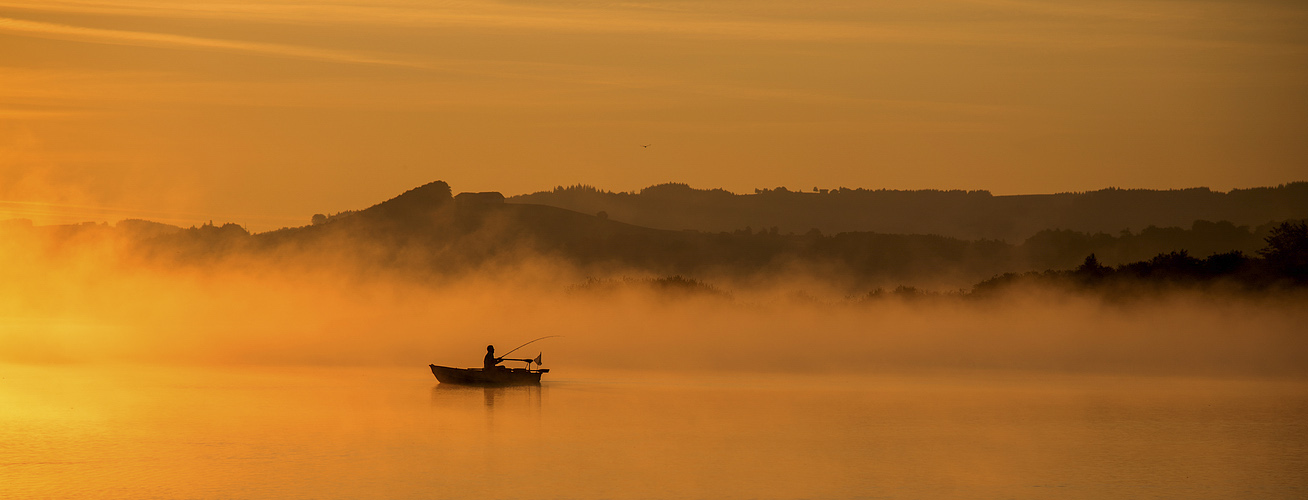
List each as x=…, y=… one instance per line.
x=265, y=112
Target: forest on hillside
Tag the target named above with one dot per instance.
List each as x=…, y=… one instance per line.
x=960, y=214
x=1280, y=266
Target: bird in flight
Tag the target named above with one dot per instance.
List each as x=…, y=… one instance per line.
x=645, y=145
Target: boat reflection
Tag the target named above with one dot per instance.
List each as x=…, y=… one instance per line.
x=513, y=397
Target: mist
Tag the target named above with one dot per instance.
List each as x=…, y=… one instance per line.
x=95, y=301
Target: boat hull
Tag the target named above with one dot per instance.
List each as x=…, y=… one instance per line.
x=478, y=376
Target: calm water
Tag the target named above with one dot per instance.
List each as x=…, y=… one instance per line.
x=134, y=432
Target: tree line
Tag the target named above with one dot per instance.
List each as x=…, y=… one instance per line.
x=951, y=213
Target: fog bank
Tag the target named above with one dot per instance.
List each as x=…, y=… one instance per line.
x=91, y=307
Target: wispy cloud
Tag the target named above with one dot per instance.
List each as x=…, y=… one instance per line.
x=710, y=20
x=953, y=23
x=25, y=111
x=147, y=39
x=703, y=20
x=65, y=213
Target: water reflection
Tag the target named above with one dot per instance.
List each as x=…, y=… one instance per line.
x=462, y=396
x=170, y=432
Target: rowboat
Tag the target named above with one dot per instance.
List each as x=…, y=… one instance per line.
x=498, y=376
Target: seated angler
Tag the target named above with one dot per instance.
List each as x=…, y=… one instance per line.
x=490, y=361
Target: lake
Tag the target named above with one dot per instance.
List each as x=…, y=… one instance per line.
x=124, y=431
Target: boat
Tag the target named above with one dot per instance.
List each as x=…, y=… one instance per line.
x=498, y=376
x=492, y=375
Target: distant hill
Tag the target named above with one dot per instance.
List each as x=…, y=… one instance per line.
x=955, y=214
x=427, y=233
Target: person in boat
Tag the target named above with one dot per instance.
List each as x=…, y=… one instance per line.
x=490, y=361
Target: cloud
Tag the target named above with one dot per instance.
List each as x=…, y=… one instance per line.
x=702, y=20
x=164, y=40
x=963, y=22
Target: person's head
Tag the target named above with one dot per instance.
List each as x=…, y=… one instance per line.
x=490, y=348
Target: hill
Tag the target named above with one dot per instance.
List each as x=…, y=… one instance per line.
x=955, y=214
x=427, y=232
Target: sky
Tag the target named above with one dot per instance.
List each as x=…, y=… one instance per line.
x=265, y=112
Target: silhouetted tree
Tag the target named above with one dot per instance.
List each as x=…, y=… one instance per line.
x=1092, y=270
x=318, y=219
x=1225, y=264
x=1174, y=265
x=1287, y=250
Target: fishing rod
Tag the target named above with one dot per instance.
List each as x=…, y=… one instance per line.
x=528, y=361
x=525, y=345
